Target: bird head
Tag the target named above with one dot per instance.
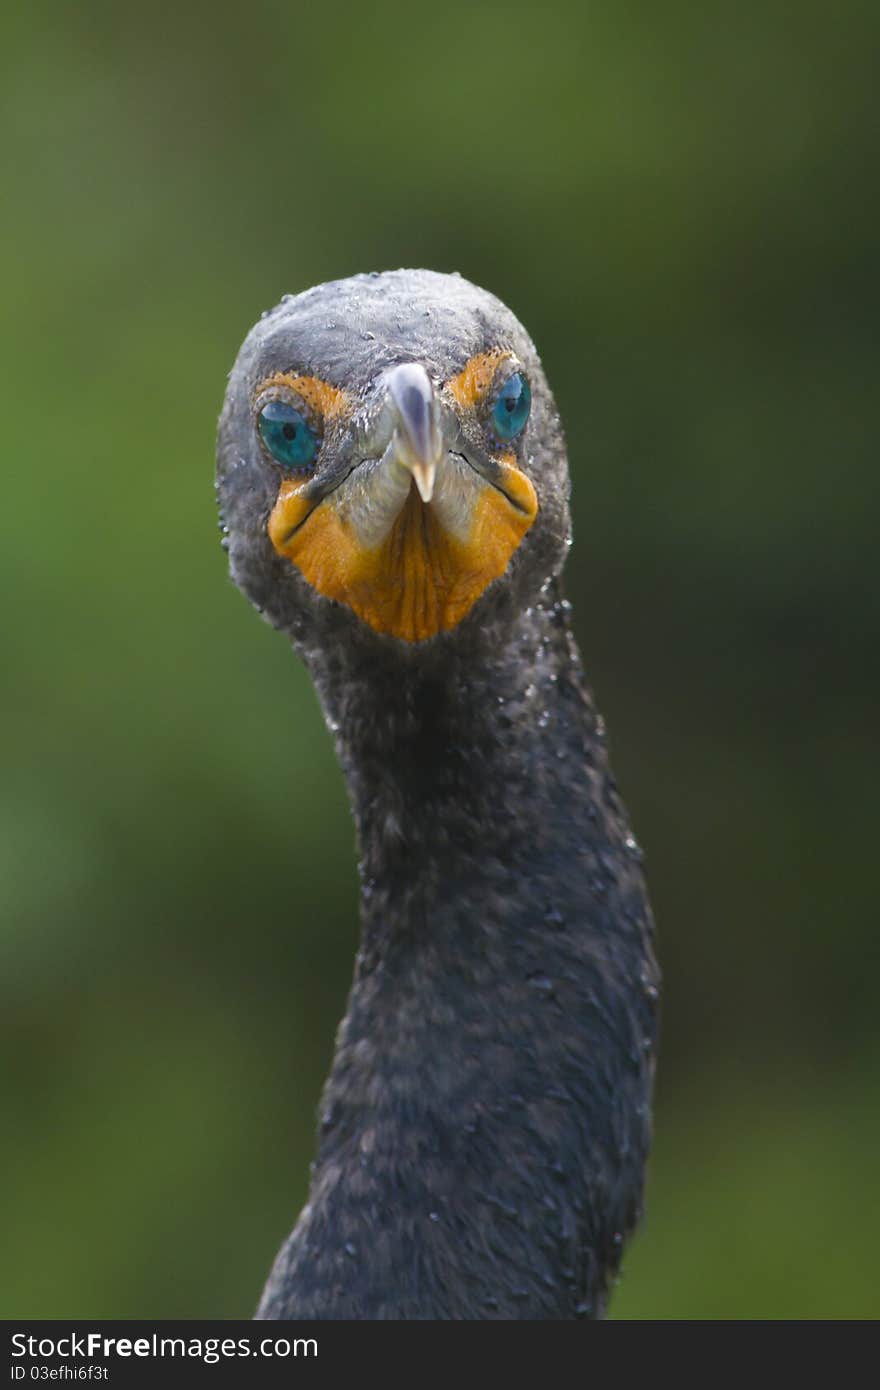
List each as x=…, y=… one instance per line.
x=390, y=457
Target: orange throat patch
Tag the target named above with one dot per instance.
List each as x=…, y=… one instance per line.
x=421, y=579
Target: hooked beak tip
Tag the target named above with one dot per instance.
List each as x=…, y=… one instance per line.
x=424, y=475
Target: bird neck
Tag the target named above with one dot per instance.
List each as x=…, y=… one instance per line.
x=465, y=769
x=502, y=996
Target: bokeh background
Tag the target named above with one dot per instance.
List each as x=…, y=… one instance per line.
x=681, y=202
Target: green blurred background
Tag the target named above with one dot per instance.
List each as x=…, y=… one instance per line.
x=681, y=202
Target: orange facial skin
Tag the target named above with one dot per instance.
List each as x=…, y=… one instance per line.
x=421, y=579
x=472, y=385
x=323, y=400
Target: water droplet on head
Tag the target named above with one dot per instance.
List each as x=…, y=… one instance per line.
x=633, y=848
x=542, y=983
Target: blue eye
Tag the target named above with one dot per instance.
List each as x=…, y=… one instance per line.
x=287, y=434
x=511, y=410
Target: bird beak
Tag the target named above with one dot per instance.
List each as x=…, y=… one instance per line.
x=417, y=439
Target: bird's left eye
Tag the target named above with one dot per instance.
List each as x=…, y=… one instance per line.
x=287, y=434
x=511, y=410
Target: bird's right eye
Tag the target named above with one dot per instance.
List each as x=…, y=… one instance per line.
x=511, y=409
x=287, y=434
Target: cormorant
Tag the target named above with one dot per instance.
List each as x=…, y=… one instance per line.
x=393, y=486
